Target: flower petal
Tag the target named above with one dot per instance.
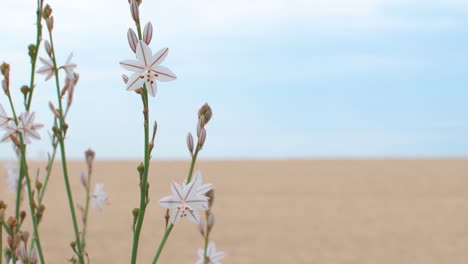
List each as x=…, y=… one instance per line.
x=133, y=65
x=176, y=190
x=193, y=216
x=159, y=57
x=152, y=87
x=163, y=74
x=176, y=215
x=134, y=82
x=143, y=53
x=169, y=202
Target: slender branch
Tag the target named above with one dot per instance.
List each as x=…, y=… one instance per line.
x=144, y=178
x=63, y=154
x=86, y=210
x=207, y=235
x=48, y=171
x=163, y=242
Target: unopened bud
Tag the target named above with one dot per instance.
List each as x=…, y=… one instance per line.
x=5, y=87
x=12, y=241
x=202, y=138
x=32, y=51
x=47, y=47
x=210, y=220
x=33, y=259
x=89, y=155
x=136, y=212
x=148, y=33
x=22, y=215
x=11, y=222
x=73, y=244
x=190, y=142
x=25, y=90
x=132, y=40
x=141, y=168
x=5, y=69
x=25, y=237
x=38, y=185
x=125, y=78
x=201, y=227
x=21, y=253
x=50, y=23
x=211, y=196
x=139, y=91
x=205, y=114
x=47, y=12
x=53, y=109
x=83, y=180
x=134, y=10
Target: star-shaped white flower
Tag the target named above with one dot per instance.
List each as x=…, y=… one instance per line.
x=47, y=69
x=212, y=257
x=27, y=127
x=69, y=67
x=3, y=117
x=11, y=131
x=147, y=69
x=185, y=201
x=12, y=175
x=200, y=187
x=99, y=198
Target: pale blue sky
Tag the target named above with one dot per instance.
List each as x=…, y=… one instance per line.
x=285, y=79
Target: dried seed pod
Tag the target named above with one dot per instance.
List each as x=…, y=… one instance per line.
x=148, y=33
x=132, y=39
x=50, y=23
x=89, y=156
x=205, y=114
x=47, y=12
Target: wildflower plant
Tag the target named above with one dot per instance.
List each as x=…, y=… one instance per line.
x=191, y=199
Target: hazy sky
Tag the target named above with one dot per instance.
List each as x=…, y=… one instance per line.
x=285, y=78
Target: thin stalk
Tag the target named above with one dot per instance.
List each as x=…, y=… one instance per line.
x=34, y=58
x=49, y=171
x=1, y=244
x=192, y=165
x=163, y=242
x=4, y=225
x=63, y=154
x=207, y=235
x=86, y=210
x=36, y=239
x=144, y=178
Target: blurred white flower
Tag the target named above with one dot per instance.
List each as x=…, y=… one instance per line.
x=212, y=257
x=147, y=69
x=12, y=175
x=69, y=67
x=28, y=128
x=3, y=117
x=11, y=130
x=47, y=69
x=99, y=197
x=185, y=201
x=198, y=182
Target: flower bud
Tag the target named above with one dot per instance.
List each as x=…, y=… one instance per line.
x=205, y=114
x=53, y=109
x=148, y=33
x=201, y=227
x=136, y=212
x=5, y=87
x=11, y=222
x=89, y=156
x=25, y=90
x=190, y=142
x=210, y=195
x=2, y=215
x=141, y=168
x=32, y=51
x=210, y=220
x=202, y=138
x=33, y=259
x=83, y=180
x=21, y=253
x=125, y=78
x=47, y=12
x=47, y=47
x=134, y=10
x=22, y=215
x=132, y=40
x=50, y=23
x=25, y=237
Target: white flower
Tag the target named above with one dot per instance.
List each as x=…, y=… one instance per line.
x=11, y=130
x=212, y=257
x=147, y=69
x=99, y=197
x=47, y=69
x=3, y=117
x=185, y=201
x=27, y=127
x=12, y=175
x=69, y=67
x=200, y=187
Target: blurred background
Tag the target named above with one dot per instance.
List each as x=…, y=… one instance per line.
x=285, y=79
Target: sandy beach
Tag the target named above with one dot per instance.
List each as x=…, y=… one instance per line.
x=294, y=211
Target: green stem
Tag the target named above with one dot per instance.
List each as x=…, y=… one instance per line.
x=163, y=242
x=192, y=165
x=207, y=235
x=86, y=210
x=4, y=225
x=49, y=171
x=144, y=178
x=31, y=206
x=63, y=155
x=34, y=58
x=1, y=245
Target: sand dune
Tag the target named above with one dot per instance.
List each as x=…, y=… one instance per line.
x=311, y=211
